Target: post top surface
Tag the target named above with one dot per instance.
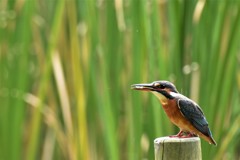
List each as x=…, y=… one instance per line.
x=175, y=139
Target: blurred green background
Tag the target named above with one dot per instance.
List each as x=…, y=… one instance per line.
x=66, y=67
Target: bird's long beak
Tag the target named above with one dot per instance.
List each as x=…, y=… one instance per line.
x=142, y=87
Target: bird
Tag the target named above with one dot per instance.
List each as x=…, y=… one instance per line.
x=182, y=111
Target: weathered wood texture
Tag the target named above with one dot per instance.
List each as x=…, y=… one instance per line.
x=167, y=148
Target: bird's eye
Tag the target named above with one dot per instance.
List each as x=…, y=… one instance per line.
x=162, y=86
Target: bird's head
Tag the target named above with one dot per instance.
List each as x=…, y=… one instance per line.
x=164, y=90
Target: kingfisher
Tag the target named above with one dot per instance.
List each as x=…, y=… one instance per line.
x=182, y=111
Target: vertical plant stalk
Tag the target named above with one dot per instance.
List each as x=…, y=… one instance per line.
x=17, y=75
x=81, y=134
x=33, y=145
x=64, y=101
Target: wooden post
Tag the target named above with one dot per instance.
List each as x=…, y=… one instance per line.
x=167, y=148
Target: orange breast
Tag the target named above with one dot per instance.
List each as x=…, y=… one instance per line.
x=176, y=117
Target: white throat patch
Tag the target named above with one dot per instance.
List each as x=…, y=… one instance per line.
x=174, y=94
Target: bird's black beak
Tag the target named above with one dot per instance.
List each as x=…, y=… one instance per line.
x=143, y=87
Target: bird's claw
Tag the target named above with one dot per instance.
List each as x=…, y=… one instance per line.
x=183, y=134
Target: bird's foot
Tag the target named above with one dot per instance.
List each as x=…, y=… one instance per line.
x=179, y=135
x=189, y=135
x=183, y=134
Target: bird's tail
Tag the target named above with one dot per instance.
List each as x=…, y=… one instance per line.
x=208, y=138
x=212, y=141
